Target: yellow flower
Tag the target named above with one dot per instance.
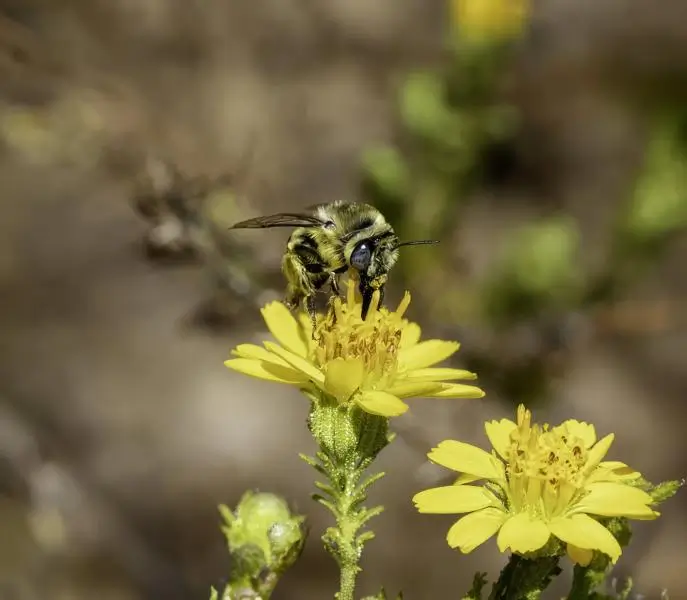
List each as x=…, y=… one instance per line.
x=489, y=19
x=374, y=363
x=540, y=481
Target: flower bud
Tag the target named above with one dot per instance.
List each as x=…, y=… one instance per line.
x=264, y=537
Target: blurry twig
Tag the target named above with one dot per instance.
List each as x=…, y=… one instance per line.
x=188, y=221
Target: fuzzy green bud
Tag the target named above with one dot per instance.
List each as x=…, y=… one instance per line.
x=264, y=539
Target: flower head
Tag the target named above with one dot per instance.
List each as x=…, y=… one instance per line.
x=539, y=481
x=374, y=363
x=490, y=19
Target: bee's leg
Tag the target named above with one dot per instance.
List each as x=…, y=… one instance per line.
x=334, y=283
x=310, y=307
x=381, y=296
x=292, y=298
x=290, y=301
x=298, y=285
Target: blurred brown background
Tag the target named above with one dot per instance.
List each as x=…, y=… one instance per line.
x=120, y=429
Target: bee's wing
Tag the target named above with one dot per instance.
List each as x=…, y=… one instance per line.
x=280, y=220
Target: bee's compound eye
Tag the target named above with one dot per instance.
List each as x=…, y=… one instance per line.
x=361, y=256
x=330, y=225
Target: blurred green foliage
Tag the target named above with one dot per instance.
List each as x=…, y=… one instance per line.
x=537, y=271
x=455, y=123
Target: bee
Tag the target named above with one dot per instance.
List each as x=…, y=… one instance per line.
x=330, y=239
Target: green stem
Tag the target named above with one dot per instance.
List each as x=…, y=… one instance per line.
x=525, y=578
x=347, y=494
x=344, y=545
x=581, y=584
x=587, y=579
x=349, y=441
x=348, y=576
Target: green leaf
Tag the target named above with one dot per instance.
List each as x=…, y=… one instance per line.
x=226, y=514
x=327, y=489
x=665, y=490
x=313, y=463
x=369, y=513
x=365, y=537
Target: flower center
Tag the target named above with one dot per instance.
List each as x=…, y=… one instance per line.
x=545, y=468
x=341, y=333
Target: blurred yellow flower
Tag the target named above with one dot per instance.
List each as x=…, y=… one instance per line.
x=540, y=481
x=374, y=363
x=489, y=19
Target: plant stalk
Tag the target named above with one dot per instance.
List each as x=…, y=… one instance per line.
x=349, y=441
x=525, y=578
x=346, y=549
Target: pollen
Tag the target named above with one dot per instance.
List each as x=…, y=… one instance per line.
x=342, y=333
x=544, y=459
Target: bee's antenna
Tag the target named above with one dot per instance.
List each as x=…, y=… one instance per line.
x=418, y=243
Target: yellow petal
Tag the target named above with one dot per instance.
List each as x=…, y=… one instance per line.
x=439, y=374
x=410, y=335
x=306, y=325
x=457, y=390
x=475, y=529
x=610, y=499
x=579, y=556
x=381, y=403
x=454, y=499
x=466, y=458
x=265, y=370
x=343, y=377
x=257, y=353
x=285, y=329
x=586, y=533
x=426, y=354
x=498, y=433
x=464, y=478
x=584, y=431
x=522, y=533
x=598, y=452
x=414, y=389
x=613, y=470
x=297, y=362
x=617, y=466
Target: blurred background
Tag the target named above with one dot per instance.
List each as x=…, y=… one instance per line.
x=132, y=133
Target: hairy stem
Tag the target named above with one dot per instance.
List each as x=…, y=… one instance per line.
x=344, y=541
x=347, y=586
x=581, y=586
x=349, y=441
x=345, y=547
x=524, y=578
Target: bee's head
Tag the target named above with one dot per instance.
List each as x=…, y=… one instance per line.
x=373, y=258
